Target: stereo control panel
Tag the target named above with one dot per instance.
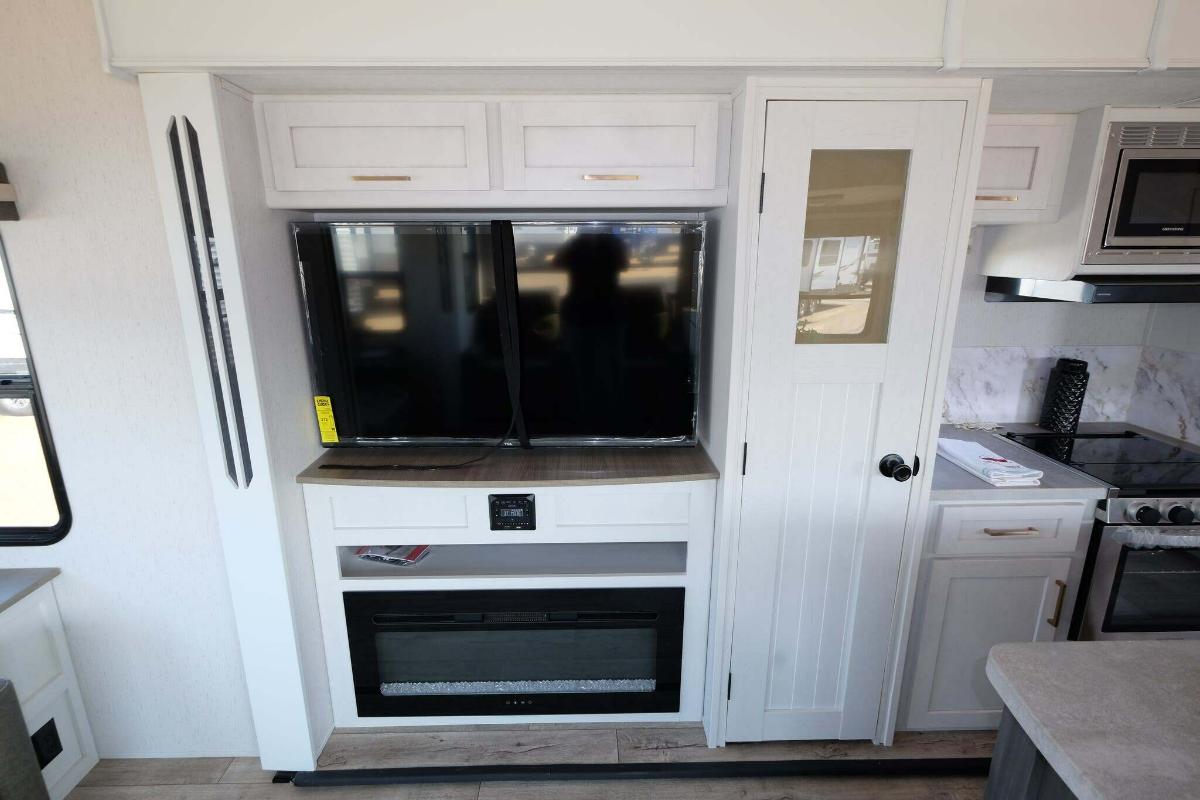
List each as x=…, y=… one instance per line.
x=512, y=512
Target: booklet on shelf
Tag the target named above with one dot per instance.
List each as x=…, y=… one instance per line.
x=404, y=555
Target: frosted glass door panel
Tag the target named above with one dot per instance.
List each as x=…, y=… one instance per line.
x=851, y=237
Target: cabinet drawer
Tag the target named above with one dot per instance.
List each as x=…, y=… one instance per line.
x=627, y=145
x=1007, y=529
x=376, y=146
x=383, y=509
x=1023, y=168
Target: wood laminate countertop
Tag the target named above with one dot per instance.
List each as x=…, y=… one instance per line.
x=545, y=466
x=16, y=584
x=1115, y=720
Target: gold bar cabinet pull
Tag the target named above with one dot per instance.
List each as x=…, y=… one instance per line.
x=1011, y=531
x=1062, y=593
x=381, y=177
x=605, y=177
x=999, y=198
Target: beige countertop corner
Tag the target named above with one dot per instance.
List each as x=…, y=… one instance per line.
x=1116, y=720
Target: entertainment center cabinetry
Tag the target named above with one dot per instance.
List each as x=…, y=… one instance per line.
x=625, y=583
x=645, y=523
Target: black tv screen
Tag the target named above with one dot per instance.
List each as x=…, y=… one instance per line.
x=407, y=329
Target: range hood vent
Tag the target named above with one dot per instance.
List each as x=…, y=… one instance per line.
x=1160, y=135
x=1096, y=289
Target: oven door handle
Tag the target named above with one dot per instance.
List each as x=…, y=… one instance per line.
x=1156, y=538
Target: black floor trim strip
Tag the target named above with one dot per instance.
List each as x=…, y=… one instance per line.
x=873, y=767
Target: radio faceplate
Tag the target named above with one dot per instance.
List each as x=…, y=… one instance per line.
x=512, y=512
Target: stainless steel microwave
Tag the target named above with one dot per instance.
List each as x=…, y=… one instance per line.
x=1147, y=208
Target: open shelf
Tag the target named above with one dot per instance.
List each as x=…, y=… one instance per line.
x=527, y=561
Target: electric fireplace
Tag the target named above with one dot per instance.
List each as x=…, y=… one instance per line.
x=555, y=651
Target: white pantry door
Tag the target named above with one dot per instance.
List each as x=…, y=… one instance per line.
x=855, y=218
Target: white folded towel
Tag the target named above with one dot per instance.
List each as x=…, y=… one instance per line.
x=986, y=465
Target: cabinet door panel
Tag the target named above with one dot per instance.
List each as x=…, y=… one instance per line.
x=376, y=146
x=968, y=606
x=602, y=145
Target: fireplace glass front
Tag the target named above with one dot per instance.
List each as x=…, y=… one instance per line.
x=558, y=651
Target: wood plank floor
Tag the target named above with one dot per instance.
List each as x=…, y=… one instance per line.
x=243, y=779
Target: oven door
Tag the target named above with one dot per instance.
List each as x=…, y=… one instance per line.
x=471, y=653
x=1156, y=199
x=1146, y=584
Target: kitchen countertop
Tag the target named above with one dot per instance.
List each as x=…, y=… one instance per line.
x=1115, y=720
x=1059, y=482
x=16, y=584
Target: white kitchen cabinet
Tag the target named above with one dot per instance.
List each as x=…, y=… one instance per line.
x=600, y=145
x=966, y=606
x=385, y=145
x=1024, y=168
x=34, y=656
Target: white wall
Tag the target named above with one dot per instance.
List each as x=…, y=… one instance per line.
x=143, y=591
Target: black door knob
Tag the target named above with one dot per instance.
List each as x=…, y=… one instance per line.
x=893, y=466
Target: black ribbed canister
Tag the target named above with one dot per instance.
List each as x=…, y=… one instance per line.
x=1064, y=396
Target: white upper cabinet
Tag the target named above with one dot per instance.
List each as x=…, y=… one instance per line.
x=493, y=151
x=1024, y=167
x=331, y=145
x=602, y=145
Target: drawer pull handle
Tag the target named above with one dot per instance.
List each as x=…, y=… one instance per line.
x=381, y=177
x=594, y=177
x=997, y=198
x=1012, y=531
x=1058, y=604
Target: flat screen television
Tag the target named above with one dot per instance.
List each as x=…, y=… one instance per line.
x=536, y=332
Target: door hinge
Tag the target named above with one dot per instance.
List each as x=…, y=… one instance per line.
x=729, y=688
x=745, y=453
x=762, y=189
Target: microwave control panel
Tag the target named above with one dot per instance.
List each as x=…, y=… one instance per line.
x=512, y=512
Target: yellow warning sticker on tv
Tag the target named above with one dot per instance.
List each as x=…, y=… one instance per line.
x=325, y=419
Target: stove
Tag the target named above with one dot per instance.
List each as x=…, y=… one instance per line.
x=1163, y=476
x=1141, y=576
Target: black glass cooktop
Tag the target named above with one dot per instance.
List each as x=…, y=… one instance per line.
x=1134, y=463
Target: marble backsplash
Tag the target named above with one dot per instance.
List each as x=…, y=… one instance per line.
x=1167, y=394
x=1007, y=384
x=1149, y=386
